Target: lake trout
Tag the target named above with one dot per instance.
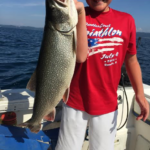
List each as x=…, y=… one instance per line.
x=56, y=62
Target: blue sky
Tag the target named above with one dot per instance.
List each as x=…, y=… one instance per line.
x=32, y=12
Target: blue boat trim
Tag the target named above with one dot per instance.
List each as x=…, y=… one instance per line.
x=136, y=114
x=22, y=137
x=17, y=143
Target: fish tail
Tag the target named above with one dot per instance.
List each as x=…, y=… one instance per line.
x=34, y=127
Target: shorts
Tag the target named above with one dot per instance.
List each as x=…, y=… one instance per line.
x=102, y=130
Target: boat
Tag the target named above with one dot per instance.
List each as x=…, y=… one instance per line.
x=131, y=134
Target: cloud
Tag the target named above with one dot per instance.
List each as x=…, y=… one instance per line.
x=22, y=5
x=139, y=29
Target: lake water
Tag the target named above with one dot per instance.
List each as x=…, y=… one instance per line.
x=19, y=50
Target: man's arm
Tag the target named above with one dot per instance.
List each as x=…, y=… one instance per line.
x=82, y=44
x=135, y=76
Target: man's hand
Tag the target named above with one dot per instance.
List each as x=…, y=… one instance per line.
x=82, y=41
x=79, y=6
x=144, y=108
x=135, y=75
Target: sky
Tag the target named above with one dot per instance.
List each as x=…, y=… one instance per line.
x=32, y=12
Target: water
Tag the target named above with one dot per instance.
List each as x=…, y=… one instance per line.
x=143, y=54
x=19, y=50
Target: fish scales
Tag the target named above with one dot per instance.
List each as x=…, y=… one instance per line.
x=56, y=61
x=53, y=71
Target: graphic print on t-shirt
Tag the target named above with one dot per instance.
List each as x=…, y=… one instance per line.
x=104, y=40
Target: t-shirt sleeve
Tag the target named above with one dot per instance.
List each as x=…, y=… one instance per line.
x=132, y=38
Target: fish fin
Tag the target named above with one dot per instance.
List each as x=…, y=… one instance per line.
x=31, y=85
x=51, y=115
x=35, y=128
x=66, y=96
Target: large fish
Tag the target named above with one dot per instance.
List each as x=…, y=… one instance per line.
x=56, y=62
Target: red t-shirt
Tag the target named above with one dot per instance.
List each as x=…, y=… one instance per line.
x=94, y=85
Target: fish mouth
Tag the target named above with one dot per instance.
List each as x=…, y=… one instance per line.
x=63, y=3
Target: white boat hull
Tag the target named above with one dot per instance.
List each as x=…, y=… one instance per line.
x=133, y=136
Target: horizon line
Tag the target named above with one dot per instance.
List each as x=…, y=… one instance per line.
x=43, y=27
